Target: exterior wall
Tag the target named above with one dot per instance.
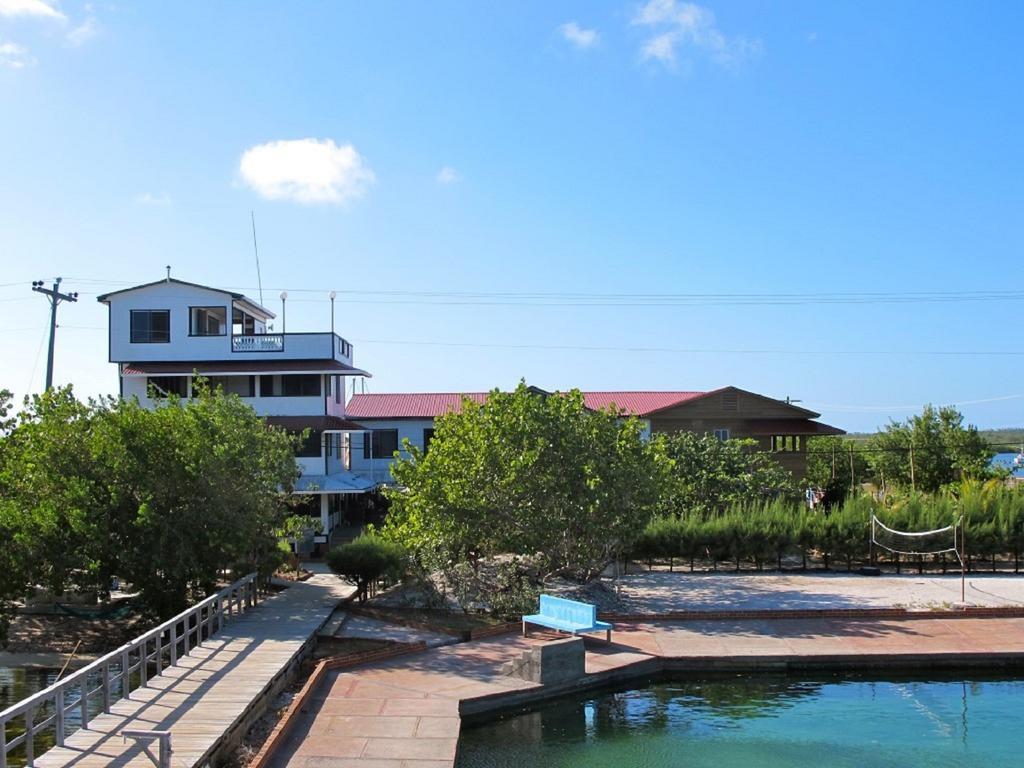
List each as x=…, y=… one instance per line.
x=407, y=428
x=135, y=386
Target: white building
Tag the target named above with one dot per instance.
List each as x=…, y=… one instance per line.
x=163, y=333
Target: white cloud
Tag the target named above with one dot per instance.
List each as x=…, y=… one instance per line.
x=447, y=175
x=85, y=31
x=29, y=8
x=677, y=25
x=579, y=36
x=306, y=170
x=148, y=198
x=15, y=56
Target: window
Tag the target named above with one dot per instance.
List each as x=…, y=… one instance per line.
x=781, y=443
x=290, y=385
x=428, y=435
x=339, y=383
x=243, y=386
x=162, y=386
x=150, y=326
x=208, y=321
x=722, y=433
x=242, y=324
x=384, y=442
x=310, y=447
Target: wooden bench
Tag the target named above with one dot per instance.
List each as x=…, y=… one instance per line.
x=568, y=616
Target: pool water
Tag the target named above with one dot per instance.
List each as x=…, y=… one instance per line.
x=764, y=722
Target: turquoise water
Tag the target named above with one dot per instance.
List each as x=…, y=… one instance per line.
x=759, y=722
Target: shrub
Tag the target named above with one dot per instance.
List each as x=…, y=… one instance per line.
x=365, y=560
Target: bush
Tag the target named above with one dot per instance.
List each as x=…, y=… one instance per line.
x=365, y=560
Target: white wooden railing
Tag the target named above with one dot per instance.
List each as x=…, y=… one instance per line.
x=66, y=704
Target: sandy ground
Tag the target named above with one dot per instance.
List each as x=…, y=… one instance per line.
x=662, y=591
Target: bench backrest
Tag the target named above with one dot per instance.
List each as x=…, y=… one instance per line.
x=560, y=609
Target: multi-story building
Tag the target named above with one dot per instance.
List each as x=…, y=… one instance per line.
x=776, y=425
x=162, y=334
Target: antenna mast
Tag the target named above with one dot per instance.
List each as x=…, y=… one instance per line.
x=256, y=250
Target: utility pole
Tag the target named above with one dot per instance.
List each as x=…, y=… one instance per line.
x=55, y=297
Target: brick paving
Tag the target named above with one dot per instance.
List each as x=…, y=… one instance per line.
x=405, y=712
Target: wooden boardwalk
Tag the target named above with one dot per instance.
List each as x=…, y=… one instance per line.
x=213, y=689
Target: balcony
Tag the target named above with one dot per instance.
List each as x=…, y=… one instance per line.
x=293, y=346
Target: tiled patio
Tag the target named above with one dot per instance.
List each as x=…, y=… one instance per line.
x=404, y=713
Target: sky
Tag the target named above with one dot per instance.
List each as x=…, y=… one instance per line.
x=819, y=201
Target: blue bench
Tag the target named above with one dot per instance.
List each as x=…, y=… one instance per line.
x=567, y=616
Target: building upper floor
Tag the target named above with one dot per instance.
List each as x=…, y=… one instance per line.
x=173, y=320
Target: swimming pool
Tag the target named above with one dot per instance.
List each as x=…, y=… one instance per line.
x=764, y=722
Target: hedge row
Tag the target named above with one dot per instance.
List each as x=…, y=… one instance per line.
x=770, y=533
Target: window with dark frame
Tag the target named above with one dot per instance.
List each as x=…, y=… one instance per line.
x=150, y=326
x=290, y=385
x=384, y=444
x=243, y=386
x=311, y=446
x=208, y=321
x=163, y=386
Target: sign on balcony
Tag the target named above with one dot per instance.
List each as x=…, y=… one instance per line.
x=261, y=342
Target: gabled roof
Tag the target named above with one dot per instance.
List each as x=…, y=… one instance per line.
x=430, y=405
x=104, y=298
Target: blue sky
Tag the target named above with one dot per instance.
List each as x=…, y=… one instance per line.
x=394, y=151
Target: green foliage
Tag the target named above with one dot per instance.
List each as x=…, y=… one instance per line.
x=709, y=475
x=166, y=498
x=527, y=474
x=366, y=559
x=829, y=466
x=944, y=451
x=294, y=528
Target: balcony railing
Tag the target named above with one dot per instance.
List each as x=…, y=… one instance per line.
x=259, y=342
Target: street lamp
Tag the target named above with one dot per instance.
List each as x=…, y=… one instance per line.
x=332, y=295
x=284, y=298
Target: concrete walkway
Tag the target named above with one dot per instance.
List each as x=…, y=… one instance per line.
x=212, y=691
x=405, y=713
x=660, y=591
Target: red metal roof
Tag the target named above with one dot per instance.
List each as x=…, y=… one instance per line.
x=638, y=403
x=421, y=405
x=429, y=405
x=227, y=367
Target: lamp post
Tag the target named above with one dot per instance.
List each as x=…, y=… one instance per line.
x=332, y=296
x=284, y=298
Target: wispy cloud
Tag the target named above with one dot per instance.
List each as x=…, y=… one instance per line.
x=148, y=198
x=84, y=32
x=675, y=26
x=29, y=8
x=14, y=56
x=306, y=171
x=447, y=175
x=579, y=36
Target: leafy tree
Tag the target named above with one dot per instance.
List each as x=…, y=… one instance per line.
x=294, y=529
x=166, y=498
x=828, y=466
x=366, y=559
x=708, y=475
x=529, y=474
x=929, y=450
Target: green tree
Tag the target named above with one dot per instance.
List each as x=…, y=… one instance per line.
x=366, y=559
x=530, y=474
x=929, y=450
x=709, y=475
x=829, y=466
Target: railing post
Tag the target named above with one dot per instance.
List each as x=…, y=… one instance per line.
x=3, y=744
x=83, y=703
x=125, y=667
x=58, y=723
x=174, y=643
x=30, y=737
x=159, y=642
x=105, y=687
x=143, y=667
